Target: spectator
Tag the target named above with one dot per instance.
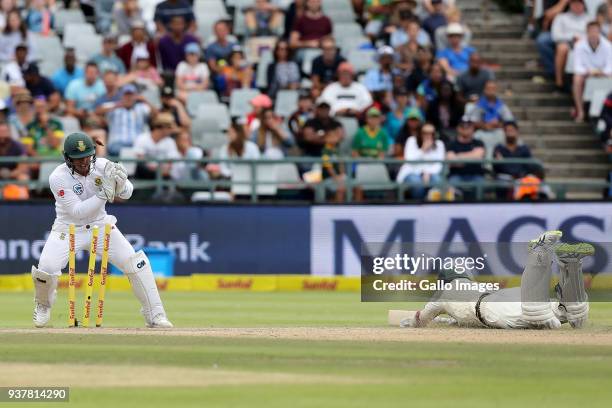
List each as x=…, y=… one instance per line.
x=471, y=83
x=511, y=149
x=172, y=45
x=237, y=74
x=156, y=144
x=567, y=28
x=259, y=103
x=125, y=15
x=412, y=125
x=465, y=148
x=184, y=170
x=218, y=52
x=63, y=76
x=112, y=94
x=23, y=115
x=302, y=115
x=410, y=31
x=346, y=97
x=39, y=85
x=39, y=18
x=435, y=20
x=445, y=112
x=191, y=75
x=15, y=32
x=397, y=116
x=293, y=12
x=429, y=90
x=11, y=148
x=312, y=138
x=333, y=174
x=325, y=66
x=5, y=7
x=310, y=27
x=167, y=10
x=371, y=140
x=422, y=147
x=94, y=127
x=606, y=125
x=453, y=16
x=107, y=59
x=270, y=137
x=263, y=19
x=455, y=58
x=377, y=11
x=238, y=147
x=592, y=58
x=544, y=40
x=142, y=73
x=604, y=17
x=12, y=72
x=381, y=78
x=82, y=93
x=283, y=73
x=419, y=72
x=43, y=131
x=170, y=104
x=127, y=119
x=139, y=41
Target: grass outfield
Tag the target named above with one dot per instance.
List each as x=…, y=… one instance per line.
x=237, y=369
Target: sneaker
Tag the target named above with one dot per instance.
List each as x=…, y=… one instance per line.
x=546, y=241
x=568, y=252
x=42, y=315
x=160, y=321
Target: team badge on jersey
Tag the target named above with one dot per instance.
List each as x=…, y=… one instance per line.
x=78, y=189
x=60, y=193
x=98, y=181
x=62, y=236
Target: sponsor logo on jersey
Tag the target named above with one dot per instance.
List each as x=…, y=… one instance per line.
x=98, y=181
x=61, y=193
x=78, y=189
x=140, y=264
x=81, y=146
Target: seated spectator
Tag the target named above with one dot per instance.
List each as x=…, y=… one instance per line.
x=511, y=149
x=346, y=97
x=259, y=103
x=592, y=58
x=239, y=147
x=333, y=174
x=39, y=85
x=455, y=58
x=112, y=94
x=24, y=114
x=237, y=74
x=127, y=119
x=567, y=29
x=465, y=148
x=293, y=12
x=310, y=27
x=371, y=140
x=217, y=53
x=63, y=76
x=11, y=148
x=175, y=107
x=445, y=112
x=43, y=131
x=397, y=115
x=410, y=31
x=471, y=83
x=545, y=43
x=429, y=90
x=5, y=7
x=142, y=73
x=94, y=126
x=270, y=137
x=422, y=147
x=606, y=120
x=139, y=41
x=381, y=78
x=453, y=15
x=435, y=19
x=377, y=12
x=312, y=138
x=82, y=93
x=604, y=17
x=412, y=125
x=172, y=45
x=39, y=18
x=191, y=75
x=263, y=19
x=52, y=145
x=156, y=144
x=188, y=170
x=302, y=115
x=12, y=73
x=107, y=59
x=125, y=15
x=325, y=66
x=166, y=10
x=283, y=73
x=15, y=32
x=419, y=70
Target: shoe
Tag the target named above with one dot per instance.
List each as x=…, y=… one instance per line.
x=546, y=240
x=42, y=315
x=567, y=252
x=160, y=321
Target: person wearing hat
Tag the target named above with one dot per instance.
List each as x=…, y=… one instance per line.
x=142, y=73
x=166, y=10
x=170, y=104
x=191, y=75
x=371, y=140
x=157, y=144
x=305, y=112
x=397, y=115
x=346, y=96
x=81, y=94
x=70, y=71
x=412, y=125
x=139, y=41
x=24, y=114
x=455, y=58
x=82, y=186
x=380, y=79
x=43, y=128
x=107, y=58
x=453, y=15
x=568, y=28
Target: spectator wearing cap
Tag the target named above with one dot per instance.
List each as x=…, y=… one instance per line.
x=166, y=10
x=157, y=144
x=325, y=66
x=82, y=93
x=453, y=15
x=410, y=31
x=310, y=27
x=511, y=149
x=465, y=147
x=381, y=78
x=259, y=103
x=304, y=112
x=592, y=58
x=377, y=12
x=567, y=29
x=237, y=74
x=43, y=130
x=191, y=75
x=398, y=114
x=455, y=58
x=70, y=71
x=127, y=12
x=445, y=112
x=371, y=140
x=9, y=147
x=127, y=119
x=39, y=18
x=142, y=73
x=271, y=138
x=15, y=32
x=471, y=83
x=435, y=19
x=312, y=138
x=112, y=95
x=414, y=120
x=108, y=59
x=139, y=41
x=218, y=52
x=39, y=85
x=172, y=45
x=423, y=146
x=429, y=90
x=12, y=72
x=175, y=107
x=22, y=116
x=346, y=96
x=283, y=73
x=263, y=19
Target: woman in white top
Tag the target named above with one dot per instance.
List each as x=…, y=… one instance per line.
x=270, y=137
x=237, y=147
x=422, y=147
x=14, y=33
x=191, y=75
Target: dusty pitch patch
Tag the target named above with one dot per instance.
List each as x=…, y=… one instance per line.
x=440, y=335
x=75, y=375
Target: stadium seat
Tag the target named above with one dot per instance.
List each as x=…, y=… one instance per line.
x=341, y=16
x=200, y=196
x=70, y=124
x=48, y=47
x=240, y=3
x=332, y=5
x=65, y=16
x=151, y=94
x=346, y=30
x=597, y=102
x=206, y=133
x=288, y=176
x=216, y=7
x=309, y=55
x=374, y=174
x=362, y=60
x=261, y=80
x=74, y=30
x=206, y=24
x=219, y=112
x=286, y=102
x=239, y=22
x=239, y=101
x=594, y=84
x=241, y=173
x=354, y=43
x=129, y=153
x=86, y=46
x=350, y=126
x=43, y=175
x=197, y=98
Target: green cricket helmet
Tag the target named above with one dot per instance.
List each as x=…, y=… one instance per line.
x=77, y=146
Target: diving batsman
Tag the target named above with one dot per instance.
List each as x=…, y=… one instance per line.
x=82, y=186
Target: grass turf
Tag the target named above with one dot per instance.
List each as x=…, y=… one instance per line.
x=385, y=374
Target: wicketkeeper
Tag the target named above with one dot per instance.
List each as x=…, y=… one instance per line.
x=82, y=186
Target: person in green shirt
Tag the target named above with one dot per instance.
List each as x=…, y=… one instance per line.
x=371, y=140
x=333, y=173
x=41, y=127
x=51, y=145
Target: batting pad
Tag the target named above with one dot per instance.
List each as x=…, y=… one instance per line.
x=396, y=316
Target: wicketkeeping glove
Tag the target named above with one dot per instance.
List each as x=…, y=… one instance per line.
x=121, y=176
x=106, y=190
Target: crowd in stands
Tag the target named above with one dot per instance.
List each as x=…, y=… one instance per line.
x=325, y=79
